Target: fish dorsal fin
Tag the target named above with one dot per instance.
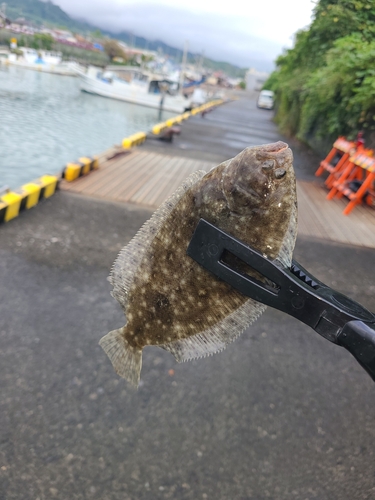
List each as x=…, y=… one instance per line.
x=216, y=338
x=130, y=257
x=286, y=251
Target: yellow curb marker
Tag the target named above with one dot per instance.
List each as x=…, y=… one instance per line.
x=29, y=195
x=134, y=140
x=76, y=169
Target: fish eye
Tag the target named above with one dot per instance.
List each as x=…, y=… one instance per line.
x=279, y=173
x=268, y=165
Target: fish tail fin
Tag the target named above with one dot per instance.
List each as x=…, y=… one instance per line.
x=126, y=360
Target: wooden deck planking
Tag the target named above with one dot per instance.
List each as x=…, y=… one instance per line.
x=191, y=167
x=144, y=171
x=147, y=178
x=323, y=218
x=165, y=191
x=144, y=193
x=169, y=180
x=98, y=178
x=320, y=223
x=349, y=227
x=148, y=191
x=324, y=223
x=308, y=222
x=117, y=174
x=173, y=181
x=92, y=182
x=126, y=175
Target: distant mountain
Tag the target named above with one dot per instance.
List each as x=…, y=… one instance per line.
x=158, y=45
x=43, y=12
x=47, y=13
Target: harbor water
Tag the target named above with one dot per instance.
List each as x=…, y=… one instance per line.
x=46, y=121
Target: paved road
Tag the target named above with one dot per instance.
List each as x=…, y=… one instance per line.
x=280, y=414
x=229, y=129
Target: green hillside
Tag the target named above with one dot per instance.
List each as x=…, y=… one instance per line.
x=50, y=14
x=325, y=84
x=43, y=13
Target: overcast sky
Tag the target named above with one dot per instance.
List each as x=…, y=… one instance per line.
x=243, y=32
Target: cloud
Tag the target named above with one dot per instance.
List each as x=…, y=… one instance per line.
x=227, y=36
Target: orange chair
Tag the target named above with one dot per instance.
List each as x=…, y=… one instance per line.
x=356, y=181
x=341, y=150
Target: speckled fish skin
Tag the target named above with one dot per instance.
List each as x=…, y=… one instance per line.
x=168, y=299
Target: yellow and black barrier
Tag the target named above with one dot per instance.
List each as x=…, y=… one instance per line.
x=206, y=106
x=83, y=166
x=161, y=127
x=13, y=202
x=134, y=140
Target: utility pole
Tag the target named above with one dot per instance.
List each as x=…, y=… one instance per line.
x=200, y=64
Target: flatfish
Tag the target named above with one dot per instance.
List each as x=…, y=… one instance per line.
x=168, y=299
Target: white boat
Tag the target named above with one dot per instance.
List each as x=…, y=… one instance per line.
x=141, y=89
x=42, y=60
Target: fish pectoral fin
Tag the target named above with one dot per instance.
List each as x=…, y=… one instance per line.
x=126, y=360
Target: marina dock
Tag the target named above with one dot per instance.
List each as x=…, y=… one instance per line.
x=148, y=174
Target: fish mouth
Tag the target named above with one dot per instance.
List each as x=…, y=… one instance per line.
x=273, y=148
x=279, y=147
x=274, y=151
x=280, y=155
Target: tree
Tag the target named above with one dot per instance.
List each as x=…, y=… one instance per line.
x=97, y=34
x=42, y=41
x=325, y=84
x=113, y=49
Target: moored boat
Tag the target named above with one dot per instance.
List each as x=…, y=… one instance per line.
x=42, y=60
x=159, y=93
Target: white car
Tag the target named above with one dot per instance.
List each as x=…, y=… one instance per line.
x=265, y=99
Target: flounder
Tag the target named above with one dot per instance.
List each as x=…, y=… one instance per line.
x=168, y=299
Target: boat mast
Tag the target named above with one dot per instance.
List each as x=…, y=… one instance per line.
x=183, y=68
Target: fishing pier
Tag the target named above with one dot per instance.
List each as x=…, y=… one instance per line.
x=146, y=175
